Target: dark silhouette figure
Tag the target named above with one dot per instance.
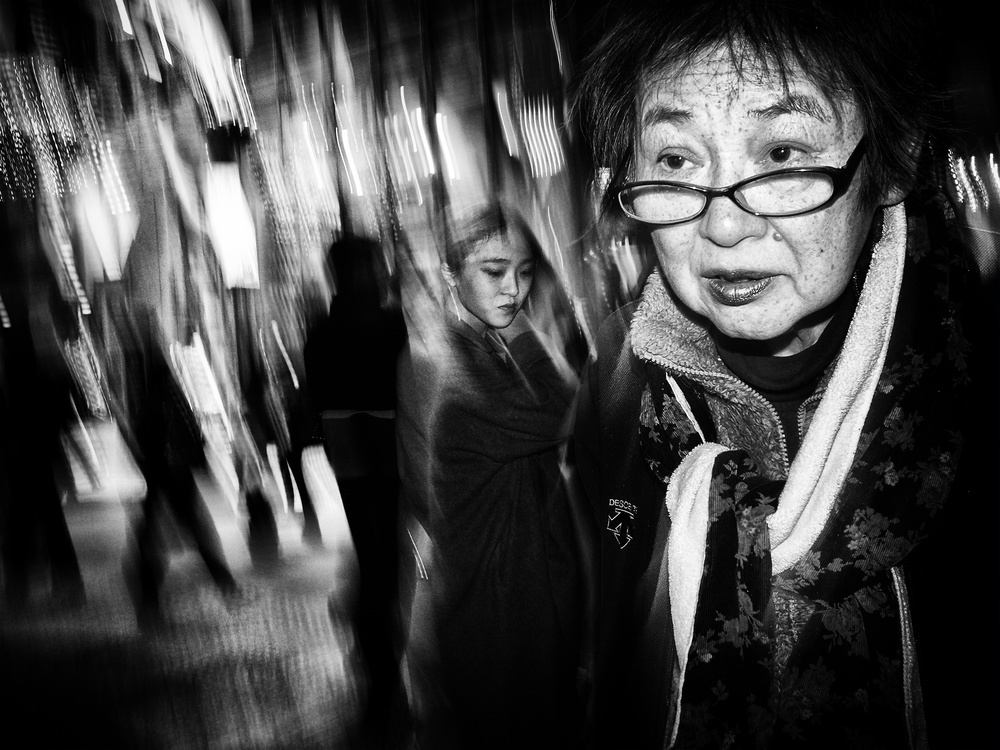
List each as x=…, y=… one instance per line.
x=35, y=404
x=351, y=375
x=265, y=424
x=169, y=447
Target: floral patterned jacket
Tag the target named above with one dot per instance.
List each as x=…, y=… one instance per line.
x=815, y=653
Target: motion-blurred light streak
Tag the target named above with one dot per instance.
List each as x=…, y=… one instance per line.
x=123, y=17
x=425, y=145
x=276, y=331
x=404, y=152
x=959, y=180
x=230, y=225
x=353, y=175
x=111, y=180
x=319, y=117
x=539, y=125
x=554, y=28
x=445, y=140
x=506, y=125
x=158, y=23
x=978, y=182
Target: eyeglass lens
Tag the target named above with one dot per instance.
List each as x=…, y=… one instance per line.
x=775, y=195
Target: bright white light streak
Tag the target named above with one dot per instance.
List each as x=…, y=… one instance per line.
x=396, y=169
x=967, y=186
x=551, y=137
x=555, y=35
x=111, y=178
x=346, y=155
x=352, y=170
x=504, y=112
x=123, y=15
x=343, y=160
x=527, y=129
x=536, y=137
x=541, y=143
x=319, y=116
x=245, y=95
x=313, y=157
x=418, y=115
x=994, y=174
x=973, y=168
x=352, y=159
x=406, y=115
x=953, y=167
x=284, y=353
x=411, y=174
x=556, y=249
x=4, y=317
x=158, y=22
x=449, y=158
x=401, y=148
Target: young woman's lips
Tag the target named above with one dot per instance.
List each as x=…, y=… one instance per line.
x=738, y=288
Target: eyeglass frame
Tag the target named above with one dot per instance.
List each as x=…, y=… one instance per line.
x=841, y=177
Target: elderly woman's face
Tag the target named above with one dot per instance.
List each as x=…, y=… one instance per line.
x=767, y=279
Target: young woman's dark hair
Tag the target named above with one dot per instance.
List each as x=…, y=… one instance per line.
x=493, y=219
x=873, y=52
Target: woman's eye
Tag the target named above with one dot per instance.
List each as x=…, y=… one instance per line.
x=673, y=161
x=781, y=154
x=493, y=273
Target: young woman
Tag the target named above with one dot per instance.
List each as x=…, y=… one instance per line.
x=771, y=430
x=495, y=400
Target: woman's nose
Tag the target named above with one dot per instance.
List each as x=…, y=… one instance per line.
x=509, y=285
x=726, y=224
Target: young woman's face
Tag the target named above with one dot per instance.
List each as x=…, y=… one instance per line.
x=772, y=280
x=495, y=280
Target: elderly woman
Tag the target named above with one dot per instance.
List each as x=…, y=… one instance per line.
x=484, y=414
x=772, y=428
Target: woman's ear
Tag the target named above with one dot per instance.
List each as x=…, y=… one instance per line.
x=897, y=192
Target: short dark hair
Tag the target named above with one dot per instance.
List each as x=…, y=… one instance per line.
x=876, y=52
x=495, y=218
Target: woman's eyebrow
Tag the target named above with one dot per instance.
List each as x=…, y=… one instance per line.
x=505, y=261
x=789, y=104
x=660, y=115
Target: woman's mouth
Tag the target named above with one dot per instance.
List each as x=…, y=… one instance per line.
x=738, y=288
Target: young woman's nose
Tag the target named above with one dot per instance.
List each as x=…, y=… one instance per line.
x=726, y=224
x=509, y=285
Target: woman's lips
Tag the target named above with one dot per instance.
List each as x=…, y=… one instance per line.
x=738, y=288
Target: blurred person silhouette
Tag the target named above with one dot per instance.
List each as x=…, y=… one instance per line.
x=263, y=417
x=36, y=404
x=278, y=413
x=168, y=444
x=350, y=360
x=484, y=405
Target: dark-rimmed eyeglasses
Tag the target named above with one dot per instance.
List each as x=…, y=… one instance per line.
x=784, y=192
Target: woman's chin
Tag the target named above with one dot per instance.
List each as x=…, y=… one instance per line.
x=757, y=341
